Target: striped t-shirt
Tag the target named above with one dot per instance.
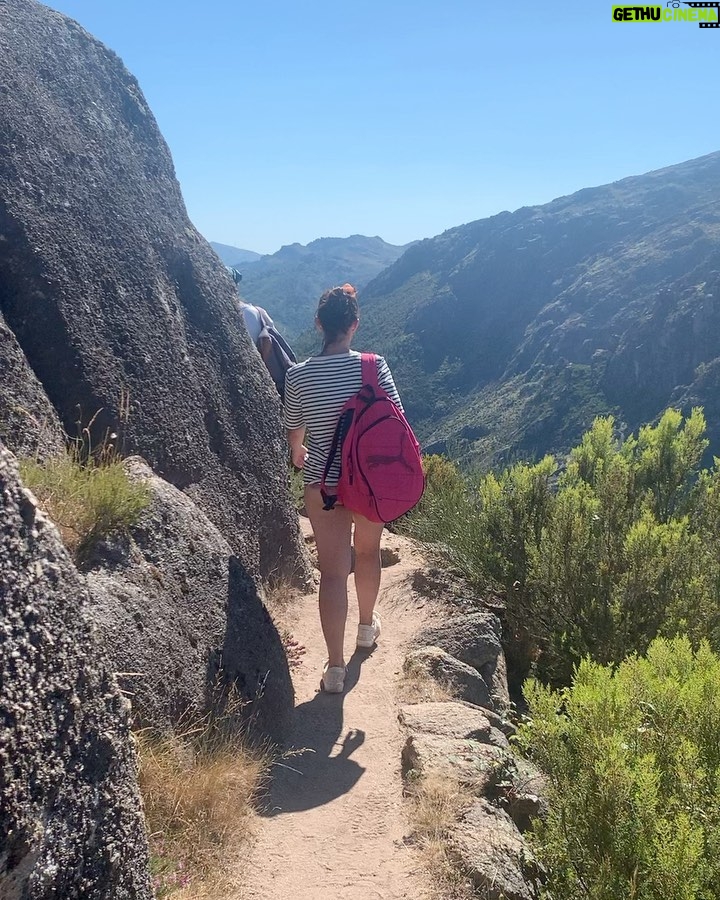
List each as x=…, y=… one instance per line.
x=315, y=392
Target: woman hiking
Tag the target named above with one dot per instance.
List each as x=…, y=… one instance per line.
x=315, y=392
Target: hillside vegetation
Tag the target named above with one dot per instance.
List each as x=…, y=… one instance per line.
x=597, y=560
x=507, y=336
x=633, y=763
x=234, y=256
x=609, y=575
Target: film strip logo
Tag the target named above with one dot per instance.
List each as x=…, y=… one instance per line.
x=715, y=6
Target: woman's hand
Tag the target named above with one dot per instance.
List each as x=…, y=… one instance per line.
x=298, y=450
x=299, y=455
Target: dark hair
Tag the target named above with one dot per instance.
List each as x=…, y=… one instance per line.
x=337, y=311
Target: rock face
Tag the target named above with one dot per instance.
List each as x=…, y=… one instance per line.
x=457, y=743
x=175, y=607
x=120, y=308
x=29, y=425
x=474, y=639
x=71, y=823
x=490, y=850
x=466, y=683
x=453, y=741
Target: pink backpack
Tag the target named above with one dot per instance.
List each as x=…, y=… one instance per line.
x=381, y=474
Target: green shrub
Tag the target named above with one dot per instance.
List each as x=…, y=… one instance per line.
x=620, y=548
x=633, y=761
x=446, y=516
x=87, y=499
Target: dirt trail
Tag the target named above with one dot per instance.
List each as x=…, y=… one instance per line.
x=336, y=824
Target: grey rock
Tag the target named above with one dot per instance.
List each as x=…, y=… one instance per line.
x=29, y=425
x=492, y=852
x=176, y=610
x=464, y=743
x=71, y=822
x=465, y=682
x=494, y=674
x=121, y=309
x=453, y=720
x=474, y=639
x=468, y=762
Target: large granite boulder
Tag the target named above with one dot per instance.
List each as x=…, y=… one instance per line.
x=454, y=742
x=455, y=719
x=29, y=425
x=460, y=744
x=71, y=823
x=179, y=617
x=122, y=310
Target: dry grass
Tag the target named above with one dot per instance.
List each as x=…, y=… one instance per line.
x=435, y=802
x=198, y=789
x=435, y=805
x=217, y=886
x=418, y=686
x=85, y=490
x=281, y=599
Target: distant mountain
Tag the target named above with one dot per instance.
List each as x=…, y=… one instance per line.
x=234, y=256
x=289, y=283
x=509, y=334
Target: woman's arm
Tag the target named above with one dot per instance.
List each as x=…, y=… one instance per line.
x=298, y=450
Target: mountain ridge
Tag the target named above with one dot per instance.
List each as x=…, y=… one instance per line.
x=288, y=283
x=234, y=256
x=509, y=334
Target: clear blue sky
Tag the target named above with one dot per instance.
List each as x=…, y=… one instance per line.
x=290, y=120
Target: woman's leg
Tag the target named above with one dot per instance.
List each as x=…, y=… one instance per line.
x=367, y=565
x=332, y=537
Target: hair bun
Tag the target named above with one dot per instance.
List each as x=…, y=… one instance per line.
x=347, y=288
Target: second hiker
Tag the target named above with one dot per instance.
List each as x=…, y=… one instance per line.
x=272, y=346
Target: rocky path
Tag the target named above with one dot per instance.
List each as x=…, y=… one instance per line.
x=335, y=827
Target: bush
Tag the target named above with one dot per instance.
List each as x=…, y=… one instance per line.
x=86, y=498
x=618, y=549
x=620, y=561
x=446, y=516
x=633, y=760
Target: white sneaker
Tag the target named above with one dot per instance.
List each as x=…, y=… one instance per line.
x=368, y=634
x=333, y=679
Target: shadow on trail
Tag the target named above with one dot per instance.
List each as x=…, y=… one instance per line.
x=311, y=776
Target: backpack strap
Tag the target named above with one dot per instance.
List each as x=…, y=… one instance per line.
x=264, y=317
x=341, y=429
x=369, y=369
